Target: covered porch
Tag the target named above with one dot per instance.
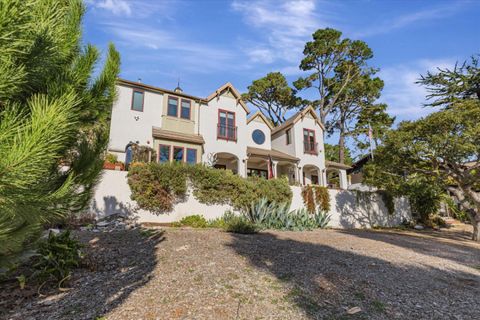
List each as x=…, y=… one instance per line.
x=336, y=174
x=227, y=161
x=283, y=165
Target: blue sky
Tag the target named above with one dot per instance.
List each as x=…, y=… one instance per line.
x=207, y=43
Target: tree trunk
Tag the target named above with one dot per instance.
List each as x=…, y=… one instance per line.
x=476, y=231
x=341, y=143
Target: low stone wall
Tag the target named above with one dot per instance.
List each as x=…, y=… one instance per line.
x=348, y=210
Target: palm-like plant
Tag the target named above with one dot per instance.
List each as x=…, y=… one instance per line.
x=53, y=116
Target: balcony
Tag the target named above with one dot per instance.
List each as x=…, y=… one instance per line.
x=310, y=147
x=226, y=132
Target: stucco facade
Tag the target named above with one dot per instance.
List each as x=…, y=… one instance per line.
x=219, y=130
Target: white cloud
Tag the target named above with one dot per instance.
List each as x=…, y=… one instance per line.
x=117, y=7
x=410, y=19
x=403, y=96
x=285, y=25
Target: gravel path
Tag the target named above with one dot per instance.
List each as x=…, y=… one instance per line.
x=209, y=274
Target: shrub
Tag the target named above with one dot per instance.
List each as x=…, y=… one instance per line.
x=239, y=224
x=58, y=255
x=277, y=216
x=111, y=158
x=194, y=221
x=222, y=221
x=157, y=187
x=316, y=198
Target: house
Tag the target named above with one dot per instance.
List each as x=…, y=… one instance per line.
x=221, y=130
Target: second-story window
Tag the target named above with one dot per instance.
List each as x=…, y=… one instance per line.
x=172, y=107
x=137, y=100
x=309, y=143
x=226, y=125
x=185, y=109
x=288, y=134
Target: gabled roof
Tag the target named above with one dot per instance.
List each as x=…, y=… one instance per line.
x=143, y=86
x=260, y=115
x=236, y=94
x=298, y=116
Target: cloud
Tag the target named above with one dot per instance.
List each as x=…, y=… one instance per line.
x=117, y=7
x=405, y=98
x=284, y=27
x=409, y=19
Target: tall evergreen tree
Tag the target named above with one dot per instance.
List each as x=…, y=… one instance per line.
x=53, y=116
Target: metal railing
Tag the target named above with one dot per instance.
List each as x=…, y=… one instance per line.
x=226, y=132
x=310, y=147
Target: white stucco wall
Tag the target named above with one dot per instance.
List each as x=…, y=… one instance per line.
x=112, y=195
x=305, y=158
x=260, y=125
x=208, y=129
x=279, y=142
x=129, y=125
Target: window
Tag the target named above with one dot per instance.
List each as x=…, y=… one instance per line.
x=172, y=107
x=226, y=125
x=177, y=154
x=137, y=100
x=257, y=173
x=309, y=144
x=288, y=134
x=185, y=109
x=191, y=156
x=258, y=136
x=164, y=154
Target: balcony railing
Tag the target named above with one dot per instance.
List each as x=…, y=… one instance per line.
x=310, y=147
x=226, y=132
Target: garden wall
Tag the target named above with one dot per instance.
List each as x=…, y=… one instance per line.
x=348, y=210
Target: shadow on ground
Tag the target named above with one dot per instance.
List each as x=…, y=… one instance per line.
x=117, y=264
x=325, y=282
x=436, y=244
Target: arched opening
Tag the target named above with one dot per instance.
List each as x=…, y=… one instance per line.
x=226, y=161
x=337, y=178
x=311, y=175
x=289, y=170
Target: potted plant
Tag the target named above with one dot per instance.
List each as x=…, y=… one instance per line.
x=111, y=163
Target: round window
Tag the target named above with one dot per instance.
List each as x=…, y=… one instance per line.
x=258, y=136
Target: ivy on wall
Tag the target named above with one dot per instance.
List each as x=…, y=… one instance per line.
x=316, y=197
x=158, y=187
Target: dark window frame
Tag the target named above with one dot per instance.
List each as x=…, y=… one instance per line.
x=160, y=149
x=173, y=154
x=189, y=109
x=288, y=135
x=226, y=137
x=313, y=150
x=133, y=99
x=186, y=155
x=168, y=106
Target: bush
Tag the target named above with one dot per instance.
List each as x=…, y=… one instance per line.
x=111, y=158
x=157, y=187
x=239, y=224
x=58, y=255
x=222, y=221
x=194, y=221
x=316, y=198
x=273, y=216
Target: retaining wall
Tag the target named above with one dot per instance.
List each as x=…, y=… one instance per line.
x=348, y=210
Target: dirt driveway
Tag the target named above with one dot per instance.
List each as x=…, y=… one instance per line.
x=324, y=274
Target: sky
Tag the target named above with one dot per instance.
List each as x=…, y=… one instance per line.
x=208, y=43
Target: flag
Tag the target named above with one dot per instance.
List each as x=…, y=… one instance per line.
x=270, y=167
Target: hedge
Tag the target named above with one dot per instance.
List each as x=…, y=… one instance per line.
x=158, y=187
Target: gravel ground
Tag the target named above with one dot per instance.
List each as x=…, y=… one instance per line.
x=209, y=274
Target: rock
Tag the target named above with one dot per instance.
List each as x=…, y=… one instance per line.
x=103, y=224
x=54, y=231
x=419, y=227
x=354, y=310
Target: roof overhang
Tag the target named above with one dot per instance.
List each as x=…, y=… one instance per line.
x=236, y=94
x=337, y=165
x=275, y=154
x=260, y=115
x=177, y=136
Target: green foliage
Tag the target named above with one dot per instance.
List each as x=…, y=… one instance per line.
x=332, y=152
x=58, y=256
x=111, y=158
x=316, y=198
x=449, y=86
x=388, y=200
x=194, y=221
x=143, y=153
x=239, y=224
x=273, y=96
x=277, y=216
x=222, y=222
x=157, y=187
x=53, y=112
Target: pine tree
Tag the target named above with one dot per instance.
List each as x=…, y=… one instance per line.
x=53, y=116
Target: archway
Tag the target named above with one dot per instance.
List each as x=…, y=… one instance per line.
x=226, y=161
